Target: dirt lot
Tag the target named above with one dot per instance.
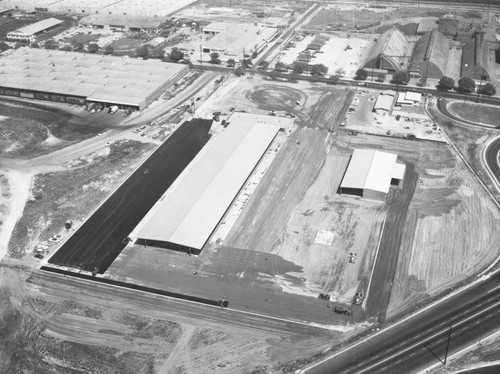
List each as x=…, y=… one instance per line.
x=28, y=131
x=449, y=231
x=276, y=13
x=57, y=197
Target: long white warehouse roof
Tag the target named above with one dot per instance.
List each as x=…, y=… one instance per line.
x=37, y=27
x=191, y=209
x=370, y=169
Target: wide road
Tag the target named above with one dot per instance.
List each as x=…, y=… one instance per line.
x=471, y=314
x=492, y=158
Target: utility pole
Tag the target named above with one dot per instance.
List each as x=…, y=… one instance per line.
x=447, y=348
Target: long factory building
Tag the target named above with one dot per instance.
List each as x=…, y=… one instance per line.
x=78, y=78
x=190, y=211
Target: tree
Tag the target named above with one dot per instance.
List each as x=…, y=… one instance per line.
x=446, y=83
x=51, y=44
x=293, y=77
x=381, y=77
x=214, y=58
x=3, y=46
x=334, y=79
x=280, y=66
x=488, y=89
x=34, y=45
x=66, y=48
x=319, y=70
x=240, y=70
x=401, y=77
x=466, y=85
x=340, y=71
x=176, y=54
x=157, y=53
x=361, y=74
x=273, y=74
x=78, y=46
x=142, y=51
x=231, y=63
x=108, y=50
x=263, y=65
x=298, y=68
x=247, y=63
x=93, y=48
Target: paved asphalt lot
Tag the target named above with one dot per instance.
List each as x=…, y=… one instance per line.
x=100, y=239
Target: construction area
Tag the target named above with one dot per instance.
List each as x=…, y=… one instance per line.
x=234, y=223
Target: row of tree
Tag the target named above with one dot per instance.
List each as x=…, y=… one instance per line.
x=466, y=85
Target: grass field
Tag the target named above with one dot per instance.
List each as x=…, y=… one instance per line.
x=478, y=113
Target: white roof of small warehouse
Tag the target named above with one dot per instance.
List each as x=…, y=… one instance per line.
x=371, y=170
x=37, y=27
x=193, y=206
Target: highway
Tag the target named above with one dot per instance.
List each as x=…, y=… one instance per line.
x=471, y=314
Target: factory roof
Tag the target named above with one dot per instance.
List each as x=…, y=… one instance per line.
x=39, y=26
x=97, y=77
x=372, y=170
x=190, y=210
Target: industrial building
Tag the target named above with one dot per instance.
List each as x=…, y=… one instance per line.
x=131, y=8
x=29, y=33
x=384, y=102
x=476, y=62
x=236, y=40
x=389, y=52
x=77, y=77
x=371, y=173
x=122, y=23
x=430, y=55
x=188, y=213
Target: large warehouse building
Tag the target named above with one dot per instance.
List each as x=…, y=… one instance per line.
x=29, y=33
x=389, y=52
x=186, y=216
x=77, y=77
x=371, y=173
x=476, y=62
x=160, y=8
x=232, y=40
x=430, y=55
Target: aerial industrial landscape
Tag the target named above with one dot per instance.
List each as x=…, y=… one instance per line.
x=228, y=186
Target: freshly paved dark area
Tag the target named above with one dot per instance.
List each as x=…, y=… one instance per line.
x=100, y=239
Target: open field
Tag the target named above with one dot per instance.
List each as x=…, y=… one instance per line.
x=449, y=230
x=28, y=131
x=57, y=197
x=276, y=13
x=49, y=326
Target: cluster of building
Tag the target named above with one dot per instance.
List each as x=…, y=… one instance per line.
x=388, y=99
x=428, y=57
x=233, y=40
x=130, y=8
x=79, y=78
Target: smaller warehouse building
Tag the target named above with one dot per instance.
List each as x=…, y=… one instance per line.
x=384, y=103
x=29, y=33
x=123, y=23
x=371, y=173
